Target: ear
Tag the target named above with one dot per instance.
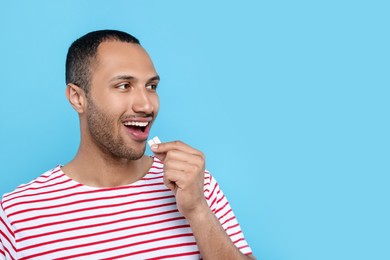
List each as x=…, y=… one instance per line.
x=76, y=97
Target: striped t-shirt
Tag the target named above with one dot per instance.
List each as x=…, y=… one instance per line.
x=55, y=217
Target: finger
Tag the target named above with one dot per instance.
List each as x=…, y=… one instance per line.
x=185, y=157
x=172, y=179
x=175, y=145
x=182, y=166
x=160, y=156
x=170, y=185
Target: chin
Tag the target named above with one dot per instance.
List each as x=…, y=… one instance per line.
x=127, y=152
x=136, y=154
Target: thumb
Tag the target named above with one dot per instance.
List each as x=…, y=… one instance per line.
x=160, y=155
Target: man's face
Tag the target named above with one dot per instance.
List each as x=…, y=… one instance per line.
x=122, y=102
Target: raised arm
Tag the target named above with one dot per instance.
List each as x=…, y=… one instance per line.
x=184, y=169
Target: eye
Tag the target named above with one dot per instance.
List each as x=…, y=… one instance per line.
x=152, y=86
x=123, y=86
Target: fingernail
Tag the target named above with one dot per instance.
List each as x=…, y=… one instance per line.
x=154, y=147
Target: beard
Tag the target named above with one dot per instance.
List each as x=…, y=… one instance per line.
x=104, y=134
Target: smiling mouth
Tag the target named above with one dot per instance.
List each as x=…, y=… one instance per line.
x=136, y=125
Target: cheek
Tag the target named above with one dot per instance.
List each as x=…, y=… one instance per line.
x=108, y=109
x=113, y=105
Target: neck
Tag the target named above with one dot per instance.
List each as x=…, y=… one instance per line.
x=93, y=167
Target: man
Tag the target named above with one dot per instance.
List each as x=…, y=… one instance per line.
x=111, y=201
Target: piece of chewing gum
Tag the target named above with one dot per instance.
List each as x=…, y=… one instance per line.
x=154, y=140
x=150, y=142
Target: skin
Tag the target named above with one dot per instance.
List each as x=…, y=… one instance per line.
x=109, y=156
x=113, y=100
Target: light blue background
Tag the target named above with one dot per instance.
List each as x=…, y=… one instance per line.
x=289, y=100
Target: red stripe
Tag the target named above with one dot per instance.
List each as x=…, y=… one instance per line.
x=234, y=234
x=6, y=226
x=212, y=193
x=65, y=230
x=92, y=191
x=155, y=173
x=223, y=196
x=152, y=178
x=229, y=219
x=37, y=180
x=224, y=215
x=103, y=216
x=82, y=201
x=2, y=252
x=103, y=250
x=175, y=255
x=224, y=205
x=46, y=192
x=230, y=227
x=49, y=175
x=6, y=249
x=93, y=208
x=212, y=203
x=17, y=191
x=42, y=176
x=91, y=226
x=9, y=241
x=238, y=240
x=104, y=232
x=151, y=249
x=246, y=246
x=84, y=192
x=155, y=167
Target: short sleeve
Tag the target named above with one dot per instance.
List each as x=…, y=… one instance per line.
x=7, y=238
x=220, y=206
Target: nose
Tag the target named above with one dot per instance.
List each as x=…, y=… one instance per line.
x=143, y=101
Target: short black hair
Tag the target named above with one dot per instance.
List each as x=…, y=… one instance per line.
x=83, y=51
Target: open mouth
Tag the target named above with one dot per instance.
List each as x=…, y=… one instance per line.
x=136, y=126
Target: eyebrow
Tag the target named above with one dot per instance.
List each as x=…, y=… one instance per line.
x=157, y=77
x=129, y=78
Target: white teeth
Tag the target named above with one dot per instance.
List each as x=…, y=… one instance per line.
x=141, y=124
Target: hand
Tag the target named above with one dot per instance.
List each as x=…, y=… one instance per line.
x=184, y=169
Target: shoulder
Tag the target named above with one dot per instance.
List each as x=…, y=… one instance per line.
x=33, y=187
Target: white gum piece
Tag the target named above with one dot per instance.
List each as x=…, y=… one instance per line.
x=156, y=140
x=150, y=142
